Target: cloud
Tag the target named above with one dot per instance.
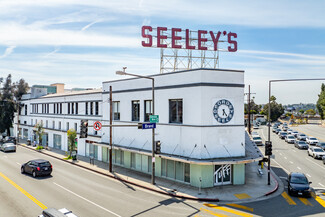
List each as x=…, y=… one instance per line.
x=8, y=51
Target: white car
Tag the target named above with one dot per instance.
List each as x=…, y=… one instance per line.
x=295, y=133
x=311, y=140
x=289, y=131
x=302, y=136
x=316, y=152
x=257, y=139
x=290, y=139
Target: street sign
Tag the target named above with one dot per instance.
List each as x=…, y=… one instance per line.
x=97, y=126
x=154, y=118
x=148, y=126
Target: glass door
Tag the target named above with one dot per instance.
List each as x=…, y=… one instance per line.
x=222, y=174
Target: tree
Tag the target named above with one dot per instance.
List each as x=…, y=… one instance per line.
x=39, y=130
x=301, y=111
x=276, y=109
x=72, y=134
x=310, y=112
x=321, y=102
x=254, y=108
x=7, y=106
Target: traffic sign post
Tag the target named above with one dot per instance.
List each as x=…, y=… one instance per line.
x=97, y=125
x=154, y=118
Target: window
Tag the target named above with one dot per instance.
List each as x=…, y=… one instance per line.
x=59, y=125
x=116, y=110
x=53, y=124
x=67, y=126
x=91, y=108
x=72, y=108
x=54, y=108
x=48, y=108
x=76, y=108
x=86, y=108
x=25, y=109
x=68, y=108
x=176, y=111
x=136, y=110
x=147, y=109
x=60, y=108
x=96, y=108
x=75, y=126
x=57, y=108
x=47, y=123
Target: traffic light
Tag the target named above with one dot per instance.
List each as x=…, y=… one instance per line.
x=158, y=146
x=268, y=148
x=83, y=129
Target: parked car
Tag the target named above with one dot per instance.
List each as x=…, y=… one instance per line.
x=295, y=133
x=5, y=147
x=301, y=144
x=51, y=212
x=302, y=136
x=255, y=127
x=282, y=135
x=316, y=152
x=257, y=140
x=37, y=167
x=290, y=139
x=299, y=185
x=311, y=140
x=10, y=139
x=274, y=129
x=321, y=145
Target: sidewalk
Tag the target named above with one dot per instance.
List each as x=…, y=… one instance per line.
x=255, y=188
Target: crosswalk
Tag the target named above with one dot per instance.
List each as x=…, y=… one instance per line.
x=230, y=210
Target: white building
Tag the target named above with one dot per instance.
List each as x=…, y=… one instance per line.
x=201, y=124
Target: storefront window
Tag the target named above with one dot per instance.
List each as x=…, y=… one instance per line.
x=57, y=141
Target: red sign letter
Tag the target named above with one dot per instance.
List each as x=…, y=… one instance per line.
x=188, y=46
x=215, y=39
x=144, y=35
x=232, y=42
x=200, y=40
x=175, y=38
x=160, y=36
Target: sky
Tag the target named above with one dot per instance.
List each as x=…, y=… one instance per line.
x=84, y=42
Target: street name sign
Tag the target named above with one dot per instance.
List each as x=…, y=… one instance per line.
x=154, y=118
x=148, y=126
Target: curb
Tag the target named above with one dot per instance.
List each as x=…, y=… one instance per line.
x=127, y=181
x=275, y=189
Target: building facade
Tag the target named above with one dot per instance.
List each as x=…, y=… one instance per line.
x=201, y=124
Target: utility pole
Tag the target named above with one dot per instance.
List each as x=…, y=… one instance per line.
x=249, y=109
x=110, y=127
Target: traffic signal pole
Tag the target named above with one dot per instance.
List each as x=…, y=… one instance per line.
x=110, y=127
x=269, y=138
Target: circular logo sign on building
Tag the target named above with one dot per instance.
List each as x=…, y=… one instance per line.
x=223, y=111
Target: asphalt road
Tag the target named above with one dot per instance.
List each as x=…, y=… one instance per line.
x=90, y=194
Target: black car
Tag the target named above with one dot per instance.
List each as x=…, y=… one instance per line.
x=37, y=167
x=299, y=185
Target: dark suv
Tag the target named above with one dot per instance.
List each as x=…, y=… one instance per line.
x=298, y=184
x=37, y=167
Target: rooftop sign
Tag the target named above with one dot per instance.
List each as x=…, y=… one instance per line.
x=177, y=38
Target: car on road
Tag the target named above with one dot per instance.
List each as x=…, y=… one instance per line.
x=295, y=133
x=311, y=140
x=51, y=212
x=5, y=147
x=321, y=145
x=302, y=136
x=289, y=131
x=274, y=129
x=299, y=185
x=316, y=152
x=282, y=134
x=10, y=139
x=37, y=167
x=277, y=131
x=301, y=144
x=255, y=127
x=285, y=128
x=258, y=140
x=290, y=139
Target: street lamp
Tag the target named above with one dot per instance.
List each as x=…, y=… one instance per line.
x=269, y=115
x=153, y=113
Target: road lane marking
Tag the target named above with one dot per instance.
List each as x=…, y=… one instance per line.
x=228, y=210
x=242, y=196
x=18, y=163
x=213, y=213
x=294, y=150
x=277, y=150
x=285, y=158
x=305, y=201
x=320, y=201
x=321, y=184
x=315, y=163
x=281, y=166
x=23, y=191
x=308, y=175
x=86, y=199
x=291, y=162
x=240, y=206
x=288, y=198
x=299, y=168
x=5, y=156
x=281, y=154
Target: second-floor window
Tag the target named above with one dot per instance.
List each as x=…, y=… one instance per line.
x=86, y=108
x=67, y=126
x=147, y=109
x=116, y=110
x=136, y=110
x=96, y=108
x=176, y=111
x=91, y=108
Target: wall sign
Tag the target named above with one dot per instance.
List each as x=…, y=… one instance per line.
x=223, y=111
